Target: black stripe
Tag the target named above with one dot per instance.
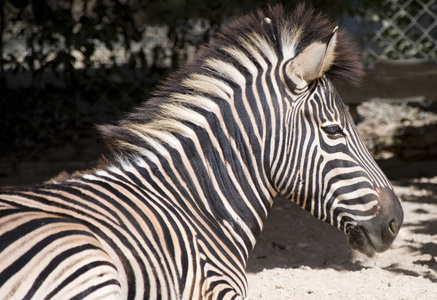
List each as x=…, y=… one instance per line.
x=54, y=264
x=94, y=288
x=26, y=257
x=76, y=274
x=22, y=230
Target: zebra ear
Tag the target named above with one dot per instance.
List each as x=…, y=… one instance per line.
x=312, y=62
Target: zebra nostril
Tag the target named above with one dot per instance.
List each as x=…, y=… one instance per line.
x=393, y=228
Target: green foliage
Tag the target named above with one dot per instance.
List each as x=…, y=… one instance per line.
x=69, y=35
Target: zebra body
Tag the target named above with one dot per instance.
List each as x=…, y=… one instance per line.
x=176, y=211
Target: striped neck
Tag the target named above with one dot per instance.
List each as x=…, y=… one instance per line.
x=211, y=146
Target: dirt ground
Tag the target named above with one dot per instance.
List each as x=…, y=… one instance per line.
x=299, y=257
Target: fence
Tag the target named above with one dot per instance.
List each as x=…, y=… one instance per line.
x=399, y=41
x=403, y=29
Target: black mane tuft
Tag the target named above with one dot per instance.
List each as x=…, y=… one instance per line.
x=313, y=26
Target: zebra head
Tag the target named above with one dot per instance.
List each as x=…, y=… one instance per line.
x=322, y=163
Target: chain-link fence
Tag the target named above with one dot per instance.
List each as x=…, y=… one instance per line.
x=402, y=29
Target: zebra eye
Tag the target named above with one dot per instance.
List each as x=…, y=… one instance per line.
x=333, y=131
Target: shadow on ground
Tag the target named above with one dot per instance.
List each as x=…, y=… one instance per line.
x=292, y=238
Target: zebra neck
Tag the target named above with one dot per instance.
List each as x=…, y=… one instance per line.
x=209, y=140
x=196, y=175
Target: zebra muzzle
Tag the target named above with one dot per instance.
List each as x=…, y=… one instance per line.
x=377, y=234
x=359, y=240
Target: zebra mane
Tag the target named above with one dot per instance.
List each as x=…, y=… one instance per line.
x=287, y=34
x=272, y=33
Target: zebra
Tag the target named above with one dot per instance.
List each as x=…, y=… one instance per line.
x=175, y=210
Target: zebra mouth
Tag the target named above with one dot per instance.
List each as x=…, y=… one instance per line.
x=358, y=239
